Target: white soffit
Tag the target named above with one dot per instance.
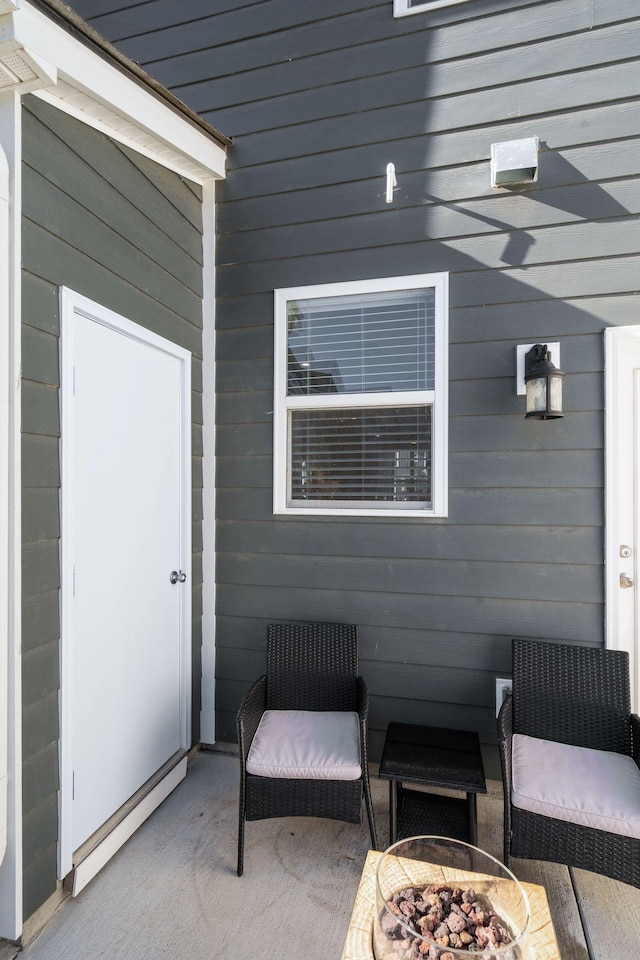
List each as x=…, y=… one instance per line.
x=99, y=93
x=20, y=68
x=86, y=108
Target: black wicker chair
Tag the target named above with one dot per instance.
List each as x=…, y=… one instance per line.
x=578, y=695
x=310, y=667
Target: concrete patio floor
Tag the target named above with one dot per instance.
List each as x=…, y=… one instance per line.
x=172, y=890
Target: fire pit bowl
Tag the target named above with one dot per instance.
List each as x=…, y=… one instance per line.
x=442, y=899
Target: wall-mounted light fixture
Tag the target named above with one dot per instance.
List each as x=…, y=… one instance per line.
x=540, y=380
x=514, y=162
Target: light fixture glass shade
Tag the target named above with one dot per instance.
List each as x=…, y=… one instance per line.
x=543, y=384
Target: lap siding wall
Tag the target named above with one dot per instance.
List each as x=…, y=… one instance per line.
x=318, y=98
x=117, y=228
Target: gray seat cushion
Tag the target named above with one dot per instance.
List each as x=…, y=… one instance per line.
x=306, y=745
x=576, y=784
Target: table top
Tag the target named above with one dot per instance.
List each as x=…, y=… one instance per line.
x=358, y=946
x=433, y=756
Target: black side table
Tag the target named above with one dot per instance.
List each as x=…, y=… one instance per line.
x=433, y=757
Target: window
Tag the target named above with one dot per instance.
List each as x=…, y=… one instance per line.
x=402, y=8
x=360, y=418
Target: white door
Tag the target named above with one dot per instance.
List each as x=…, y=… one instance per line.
x=622, y=444
x=126, y=528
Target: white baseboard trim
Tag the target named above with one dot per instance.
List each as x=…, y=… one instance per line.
x=95, y=861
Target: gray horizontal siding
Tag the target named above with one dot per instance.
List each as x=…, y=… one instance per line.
x=256, y=105
x=589, y=126
x=120, y=230
x=480, y=580
x=319, y=97
x=474, y=284
x=446, y=115
x=389, y=539
x=81, y=205
x=480, y=228
x=243, y=637
x=300, y=206
x=379, y=608
x=551, y=507
x=155, y=30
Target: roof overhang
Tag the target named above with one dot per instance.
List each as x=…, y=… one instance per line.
x=58, y=61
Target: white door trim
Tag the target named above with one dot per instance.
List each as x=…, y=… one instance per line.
x=619, y=419
x=95, y=861
x=71, y=305
x=5, y=448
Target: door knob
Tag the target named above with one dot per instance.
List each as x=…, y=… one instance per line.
x=626, y=580
x=177, y=577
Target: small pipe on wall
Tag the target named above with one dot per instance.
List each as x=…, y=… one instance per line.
x=391, y=181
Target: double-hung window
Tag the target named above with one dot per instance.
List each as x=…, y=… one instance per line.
x=360, y=411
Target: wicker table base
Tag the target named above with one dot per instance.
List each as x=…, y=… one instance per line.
x=543, y=944
x=432, y=757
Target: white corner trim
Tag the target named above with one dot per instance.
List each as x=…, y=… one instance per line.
x=96, y=91
x=4, y=498
x=207, y=713
x=10, y=519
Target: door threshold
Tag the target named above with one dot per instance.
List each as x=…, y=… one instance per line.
x=92, y=856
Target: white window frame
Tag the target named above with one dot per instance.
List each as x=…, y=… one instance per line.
x=401, y=8
x=437, y=398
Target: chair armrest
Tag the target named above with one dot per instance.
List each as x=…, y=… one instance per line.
x=363, y=700
x=635, y=737
x=363, y=713
x=505, y=733
x=249, y=714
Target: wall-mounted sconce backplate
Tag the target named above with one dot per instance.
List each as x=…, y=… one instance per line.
x=521, y=351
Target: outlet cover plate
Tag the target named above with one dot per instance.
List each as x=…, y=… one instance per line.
x=503, y=687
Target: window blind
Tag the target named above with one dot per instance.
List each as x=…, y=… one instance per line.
x=371, y=343
x=375, y=455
